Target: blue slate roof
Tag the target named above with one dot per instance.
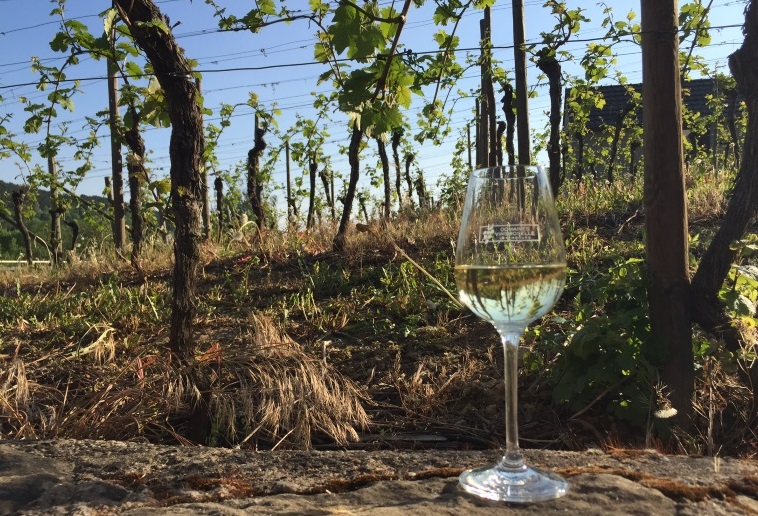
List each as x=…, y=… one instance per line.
x=617, y=98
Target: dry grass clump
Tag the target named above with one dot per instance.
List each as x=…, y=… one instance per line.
x=433, y=226
x=272, y=390
x=100, y=391
x=14, y=395
x=90, y=264
x=275, y=245
x=586, y=200
x=707, y=196
x=268, y=391
x=406, y=232
x=723, y=405
x=434, y=389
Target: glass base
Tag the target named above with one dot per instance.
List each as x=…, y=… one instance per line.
x=520, y=485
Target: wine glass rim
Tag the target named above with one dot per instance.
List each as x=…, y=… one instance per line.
x=486, y=172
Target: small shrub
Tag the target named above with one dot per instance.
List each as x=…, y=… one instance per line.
x=609, y=353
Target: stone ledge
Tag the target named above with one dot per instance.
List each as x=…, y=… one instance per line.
x=96, y=477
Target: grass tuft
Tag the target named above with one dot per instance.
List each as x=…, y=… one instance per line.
x=273, y=390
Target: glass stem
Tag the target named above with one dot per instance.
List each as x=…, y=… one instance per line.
x=513, y=458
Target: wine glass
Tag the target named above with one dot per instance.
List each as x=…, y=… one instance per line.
x=510, y=269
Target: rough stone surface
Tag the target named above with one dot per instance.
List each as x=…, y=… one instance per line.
x=100, y=477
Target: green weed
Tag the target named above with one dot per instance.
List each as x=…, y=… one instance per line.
x=609, y=353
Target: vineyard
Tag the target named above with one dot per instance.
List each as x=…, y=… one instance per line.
x=219, y=305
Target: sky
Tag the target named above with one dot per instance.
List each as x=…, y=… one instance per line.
x=26, y=29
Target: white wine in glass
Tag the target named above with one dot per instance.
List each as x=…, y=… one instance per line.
x=510, y=269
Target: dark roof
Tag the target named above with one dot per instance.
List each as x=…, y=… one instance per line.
x=617, y=100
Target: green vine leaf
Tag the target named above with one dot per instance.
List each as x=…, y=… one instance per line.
x=156, y=23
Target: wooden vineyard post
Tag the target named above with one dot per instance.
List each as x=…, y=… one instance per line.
x=665, y=202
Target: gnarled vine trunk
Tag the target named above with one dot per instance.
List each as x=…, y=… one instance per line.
x=218, y=185
x=731, y=119
x=352, y=185
x=618, y=126
x=18, y=206
x=510, y=123
x=135, y=166
x=396, y=136
x=743, y=204
x=382, y=149
x=56, y=212
x=552, y=69
x=409, y=158
x=174, y=73
x=328, y=192
x=312, y=169
x=254, y=181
